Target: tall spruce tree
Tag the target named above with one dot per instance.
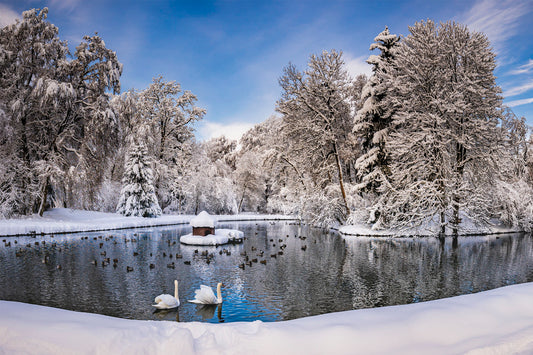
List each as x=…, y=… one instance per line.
x=373, y=120
x=138, y=197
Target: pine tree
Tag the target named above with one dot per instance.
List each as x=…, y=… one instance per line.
x=373, y=120
x=138, y=197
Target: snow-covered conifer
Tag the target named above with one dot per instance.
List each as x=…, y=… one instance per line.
x=373, y=121
x=138, y=197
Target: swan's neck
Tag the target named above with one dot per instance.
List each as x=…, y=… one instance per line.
x=219, y=293
x=176, y=289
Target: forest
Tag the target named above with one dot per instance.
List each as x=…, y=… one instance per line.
x=425, y=138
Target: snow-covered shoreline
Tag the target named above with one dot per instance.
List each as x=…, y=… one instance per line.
x=498, y=321
x=64, y=220
x=467, y=229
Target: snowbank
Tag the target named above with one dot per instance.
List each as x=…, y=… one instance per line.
x=430, y=229
x=499, y=321
x=221, y=236
x=64, y=220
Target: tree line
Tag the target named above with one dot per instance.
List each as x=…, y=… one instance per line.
x=424, y=139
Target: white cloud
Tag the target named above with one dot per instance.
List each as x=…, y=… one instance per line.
x=523, y=69
x=233, y=130
x=7, y=15
x=517, y=90
x=64, y=4
x=519, y=102
x=497, y=19
x=357, y=65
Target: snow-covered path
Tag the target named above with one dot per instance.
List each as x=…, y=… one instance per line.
x=499, y=321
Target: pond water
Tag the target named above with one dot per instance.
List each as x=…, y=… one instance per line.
x=304, y=271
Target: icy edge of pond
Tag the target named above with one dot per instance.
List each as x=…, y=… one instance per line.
x=495, y=321
x=428, y=230
x=221, y=236
x=66, y=220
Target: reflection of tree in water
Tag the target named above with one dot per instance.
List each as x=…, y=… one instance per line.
x=397, y=271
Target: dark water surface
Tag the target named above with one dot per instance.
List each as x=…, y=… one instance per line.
x=331, y=274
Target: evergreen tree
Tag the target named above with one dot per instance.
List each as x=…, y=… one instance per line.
x=373, y=120
x=138, y=197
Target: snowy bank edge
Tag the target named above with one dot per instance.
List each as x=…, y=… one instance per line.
x=362, y=230
x=67, y=221
x=495, y=321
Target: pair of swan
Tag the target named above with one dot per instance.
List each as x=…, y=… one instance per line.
x=204, y=295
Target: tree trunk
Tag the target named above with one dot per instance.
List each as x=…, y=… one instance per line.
x=242, y=199
x=341, y=183
x=44, y=195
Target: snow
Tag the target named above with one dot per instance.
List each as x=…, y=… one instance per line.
x=203, y=220
x=431, y=228
x=65, y=220
x=499, y=321
x=221, y=236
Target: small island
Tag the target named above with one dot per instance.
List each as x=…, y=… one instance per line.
x=204, y=233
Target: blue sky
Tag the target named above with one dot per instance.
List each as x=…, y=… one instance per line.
x=231, y=53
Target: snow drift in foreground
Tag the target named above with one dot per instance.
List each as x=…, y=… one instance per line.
x=65, y=220
x=499, y=321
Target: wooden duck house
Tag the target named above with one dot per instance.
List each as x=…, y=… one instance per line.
x=203, y=224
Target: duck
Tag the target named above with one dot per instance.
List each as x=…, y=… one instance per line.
x=166, y=301
x=205, y=295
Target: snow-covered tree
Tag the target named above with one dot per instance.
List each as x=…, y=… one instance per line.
x=315, y=106
x=372, y=122
x=447, y=138
x=138, y=197
x=57, y=108
x=171, y=113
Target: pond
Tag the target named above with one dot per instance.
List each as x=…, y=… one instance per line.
x=282, y=271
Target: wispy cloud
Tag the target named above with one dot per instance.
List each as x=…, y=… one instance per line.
x=7, y=15
x=517, y=90
x=357, y=65
x=519, y=102
x=497, y=19
x=234, y=130
x=523, y=69
x=64, y=4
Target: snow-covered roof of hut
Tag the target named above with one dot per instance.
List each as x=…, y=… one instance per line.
x=203, y=220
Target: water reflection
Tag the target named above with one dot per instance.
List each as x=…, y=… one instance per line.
x=288, y=271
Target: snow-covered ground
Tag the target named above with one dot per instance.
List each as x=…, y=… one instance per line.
x=64, y=220
x=468, y=227
x=499, y=321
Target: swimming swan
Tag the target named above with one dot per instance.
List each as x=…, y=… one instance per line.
x=205, y=295
x=166, y=301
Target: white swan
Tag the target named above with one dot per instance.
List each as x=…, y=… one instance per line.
x=205, y=295
x=166, y=301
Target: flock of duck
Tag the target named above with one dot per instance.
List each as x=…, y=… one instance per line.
x=204, y=295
